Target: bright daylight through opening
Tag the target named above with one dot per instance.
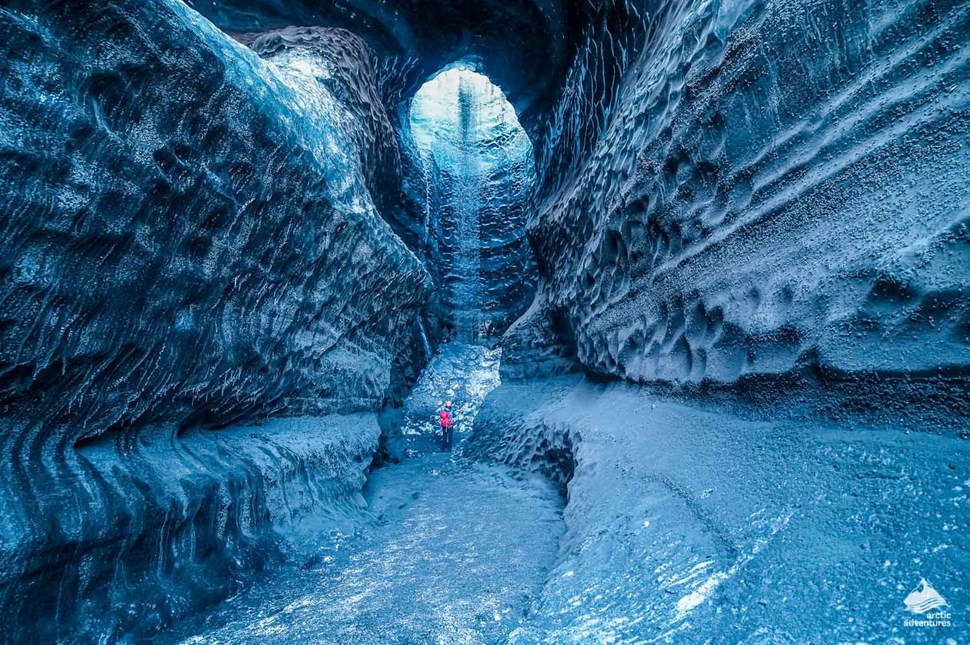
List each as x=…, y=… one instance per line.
x=479, y=176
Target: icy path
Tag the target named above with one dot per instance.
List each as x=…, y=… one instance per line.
x=451, y=551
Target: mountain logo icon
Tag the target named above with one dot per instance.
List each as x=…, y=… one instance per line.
x=923, y=598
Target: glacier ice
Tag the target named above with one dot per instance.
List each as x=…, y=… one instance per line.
x=189, y=242
x=686, y=523
x=776, y=199
x=236, y=244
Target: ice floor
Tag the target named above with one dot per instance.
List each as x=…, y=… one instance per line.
x=690, y=524
x=683, y=524
x=449, y=551
x=457, y=553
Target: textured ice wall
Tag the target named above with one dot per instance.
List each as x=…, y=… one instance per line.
x=189, y=221
x=331, y=71
x=778, y=188
x=188, y=239
x=153, y=527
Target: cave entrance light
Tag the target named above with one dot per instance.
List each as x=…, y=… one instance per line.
x=479, y=176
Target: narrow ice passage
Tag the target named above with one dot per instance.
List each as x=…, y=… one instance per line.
x=249, y=247
x=449, y=550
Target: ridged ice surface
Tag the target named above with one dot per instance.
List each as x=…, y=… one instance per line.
x=152, y=528
x=779, y=188
x=695, y=525
x=188, y=239
x=244, y=198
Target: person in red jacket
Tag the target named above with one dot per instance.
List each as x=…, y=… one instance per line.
x=447, y=426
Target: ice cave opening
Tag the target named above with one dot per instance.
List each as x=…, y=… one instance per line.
x=479, y=177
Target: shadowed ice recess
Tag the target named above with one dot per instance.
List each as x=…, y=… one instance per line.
x=695, y=275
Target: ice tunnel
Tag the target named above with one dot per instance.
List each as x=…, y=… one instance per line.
x=485, y=321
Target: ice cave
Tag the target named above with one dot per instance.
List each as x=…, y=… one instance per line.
x=485, y=321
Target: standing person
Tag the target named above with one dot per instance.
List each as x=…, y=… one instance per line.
x=447, y=426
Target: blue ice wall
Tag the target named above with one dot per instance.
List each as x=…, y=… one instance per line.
x=189, y=240
x=774, y=193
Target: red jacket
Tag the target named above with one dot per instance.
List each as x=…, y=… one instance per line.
x=446, y=421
